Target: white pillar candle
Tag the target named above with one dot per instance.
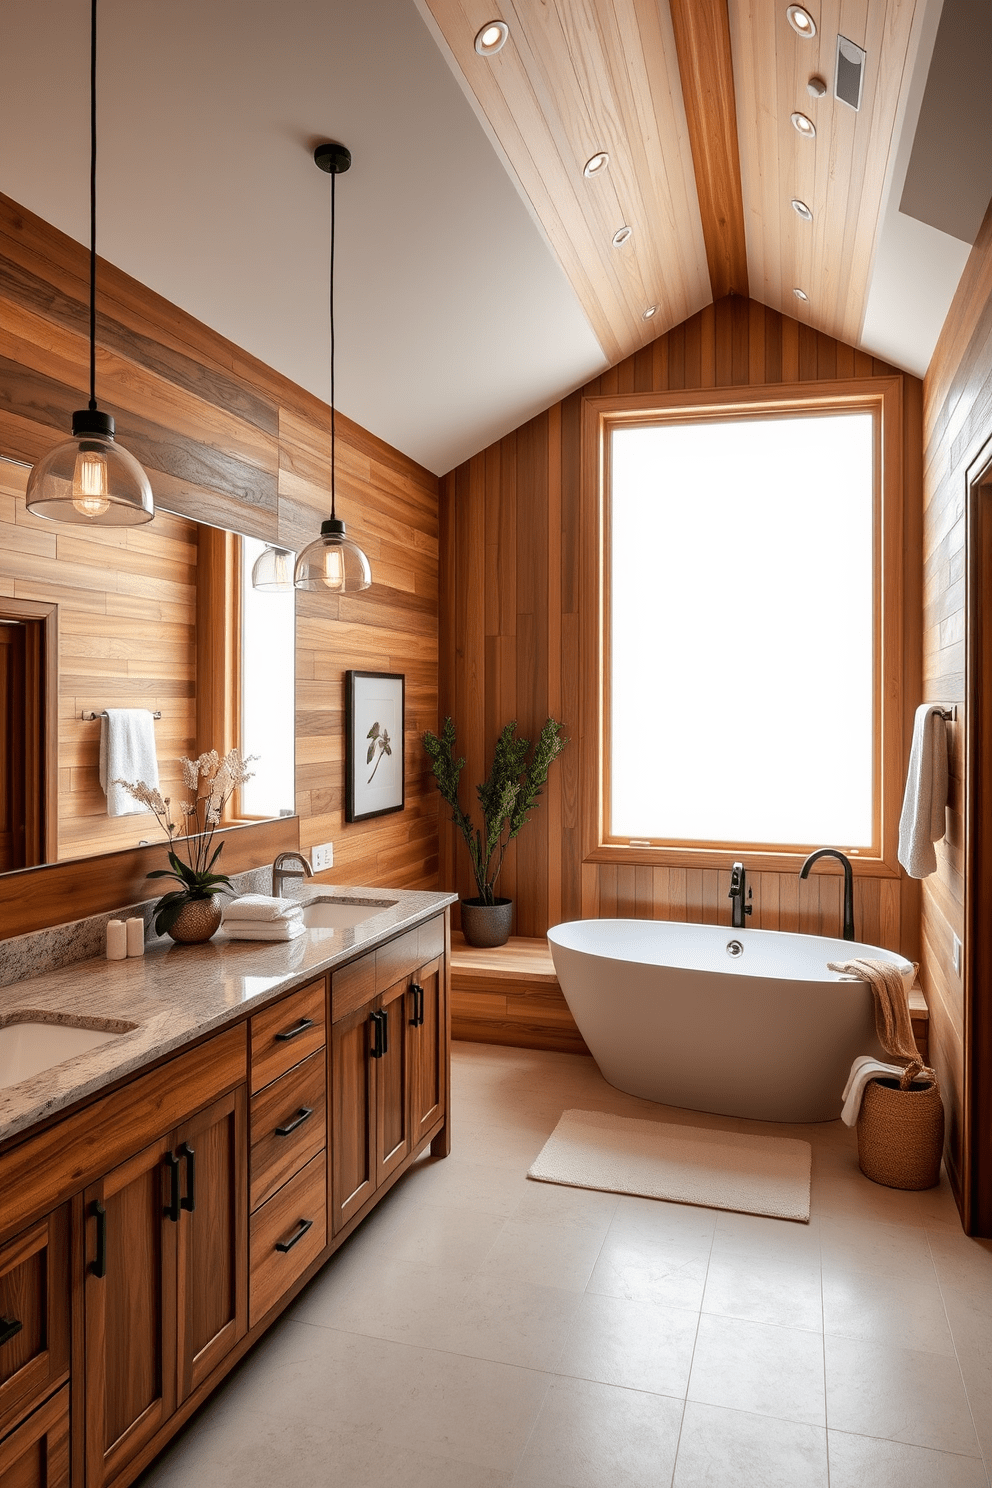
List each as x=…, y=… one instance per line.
x=135, y=936
x=116, y=940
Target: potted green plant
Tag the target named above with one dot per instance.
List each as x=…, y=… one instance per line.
x=191, y=913
x=506, y=797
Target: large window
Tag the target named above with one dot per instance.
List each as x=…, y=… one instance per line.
x=743, y=633
x=268, y=692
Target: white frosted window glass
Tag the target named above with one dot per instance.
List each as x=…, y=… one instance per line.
x=741, y=639
x=268, y=692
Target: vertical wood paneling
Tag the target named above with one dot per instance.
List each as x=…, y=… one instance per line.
x=957, y=423
x=226, y=441
x=734, y=343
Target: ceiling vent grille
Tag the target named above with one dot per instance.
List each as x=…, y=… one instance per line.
x=850, y=76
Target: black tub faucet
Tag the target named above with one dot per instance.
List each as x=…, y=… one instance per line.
x=832, y=852
x=738, y=893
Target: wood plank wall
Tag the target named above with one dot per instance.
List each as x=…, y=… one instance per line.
x=127, y=611
x=510, y=633
x=228, y=441
x=957, y=422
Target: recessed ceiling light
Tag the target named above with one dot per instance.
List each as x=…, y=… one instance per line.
x=650, y=312
x=801, y=21
x=596, y=163
x=800, y=294
x=491, y=38
x=816, y=87
x=801, y=209
x=804, y=126
x=621, y=235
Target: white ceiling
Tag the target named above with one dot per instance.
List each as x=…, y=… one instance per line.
x=455, y=322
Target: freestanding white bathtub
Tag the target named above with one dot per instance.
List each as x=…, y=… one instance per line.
x=739, y=1022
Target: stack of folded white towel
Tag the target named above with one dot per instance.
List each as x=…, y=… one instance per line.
x=260, y=917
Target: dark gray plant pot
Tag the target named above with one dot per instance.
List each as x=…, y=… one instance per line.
x=487, y=924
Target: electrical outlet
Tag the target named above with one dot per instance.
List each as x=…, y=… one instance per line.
x=957, y=955
x=322, y=857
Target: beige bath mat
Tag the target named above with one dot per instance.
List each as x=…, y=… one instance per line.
x=686, y=1164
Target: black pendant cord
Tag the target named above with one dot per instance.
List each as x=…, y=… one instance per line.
x=93, y=205
x=333, y=399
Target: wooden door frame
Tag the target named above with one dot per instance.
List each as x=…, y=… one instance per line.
x=42, y=621
x=976, y=1166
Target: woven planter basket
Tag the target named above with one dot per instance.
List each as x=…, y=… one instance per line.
x=901, y=1134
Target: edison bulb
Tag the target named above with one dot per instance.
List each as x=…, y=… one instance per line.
x=334, y=568
x=89, y=484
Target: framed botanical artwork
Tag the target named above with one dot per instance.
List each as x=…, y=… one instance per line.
x=373, y=744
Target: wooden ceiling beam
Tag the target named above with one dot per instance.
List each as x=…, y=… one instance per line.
x=702, y=41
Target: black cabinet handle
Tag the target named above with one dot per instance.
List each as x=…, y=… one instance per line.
x=99, y=1266
x=305, y=1113
x=9, y=1328
x=418, y=1005
x=189, y=1199
x=172, y=1207
x=295, y=1031
x=304, y=1225
x=379, y=1035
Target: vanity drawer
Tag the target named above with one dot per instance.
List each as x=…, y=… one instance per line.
x=34, y=1315
x=283, y=1138
x=36, y=1455
x=281, y=1248
x=286, y=1033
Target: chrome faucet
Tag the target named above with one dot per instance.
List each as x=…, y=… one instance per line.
x=832, y=852
x=739, y=892
x=281, y=873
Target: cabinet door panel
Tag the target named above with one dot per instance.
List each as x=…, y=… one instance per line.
x=212, y=1237
x=425, y=1043
x=34, y=1299
x=392, y=1103
x=36, y=1455
x=130, y=1311
x=352, y=1120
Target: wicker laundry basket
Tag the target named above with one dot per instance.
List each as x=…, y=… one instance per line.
x=901, y=1134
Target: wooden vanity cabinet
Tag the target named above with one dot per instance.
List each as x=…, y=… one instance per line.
x=36, y=1455
x=34, y=1316
x=166, y=1279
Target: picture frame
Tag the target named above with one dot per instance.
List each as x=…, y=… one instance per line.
x=375, y=730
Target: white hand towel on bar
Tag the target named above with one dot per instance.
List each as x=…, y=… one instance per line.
x=127, y=752
x=255, y=908
x=264, y=930
x=922, y=821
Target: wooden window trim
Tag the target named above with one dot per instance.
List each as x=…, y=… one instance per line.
x=42, y=619
x=884, y=397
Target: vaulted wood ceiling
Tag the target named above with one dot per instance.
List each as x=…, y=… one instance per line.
x=693, y=101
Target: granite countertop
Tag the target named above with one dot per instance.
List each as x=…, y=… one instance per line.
x=174, y=994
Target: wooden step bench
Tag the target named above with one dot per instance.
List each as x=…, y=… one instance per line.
x=510, y=995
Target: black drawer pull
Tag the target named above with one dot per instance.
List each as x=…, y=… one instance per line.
x=9, y=1328
x=295, y=1031
x=305, y=1113
x=418, y=1005
x=99, y=1266
x=304, y=1225
x=189, y=1200
x=172, y=1207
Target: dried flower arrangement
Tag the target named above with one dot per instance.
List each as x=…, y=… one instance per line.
x=211, y=782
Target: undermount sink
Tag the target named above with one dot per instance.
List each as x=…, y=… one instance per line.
x=28, y=1047
x=342, y=914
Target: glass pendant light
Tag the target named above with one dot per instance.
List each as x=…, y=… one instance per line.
x=90, y=478
x=273, y=571
x=333, y=561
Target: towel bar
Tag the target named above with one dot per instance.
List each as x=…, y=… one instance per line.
x=949, y=715
x=89, y=717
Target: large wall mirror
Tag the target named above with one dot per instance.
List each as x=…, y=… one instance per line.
x=161, y=617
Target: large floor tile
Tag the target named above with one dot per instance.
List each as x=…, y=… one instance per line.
x=544, y=1253
x=853, y=1244
x=767, y=1371
x=758, y=1234
x=640, y=1345
x=877, y=1389
x=509, y=1322
x=382, y=1297
x=883, y=1309
x=730, y=1449
x=765, y=1289
x=859, y=1461
x=590, y=1435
